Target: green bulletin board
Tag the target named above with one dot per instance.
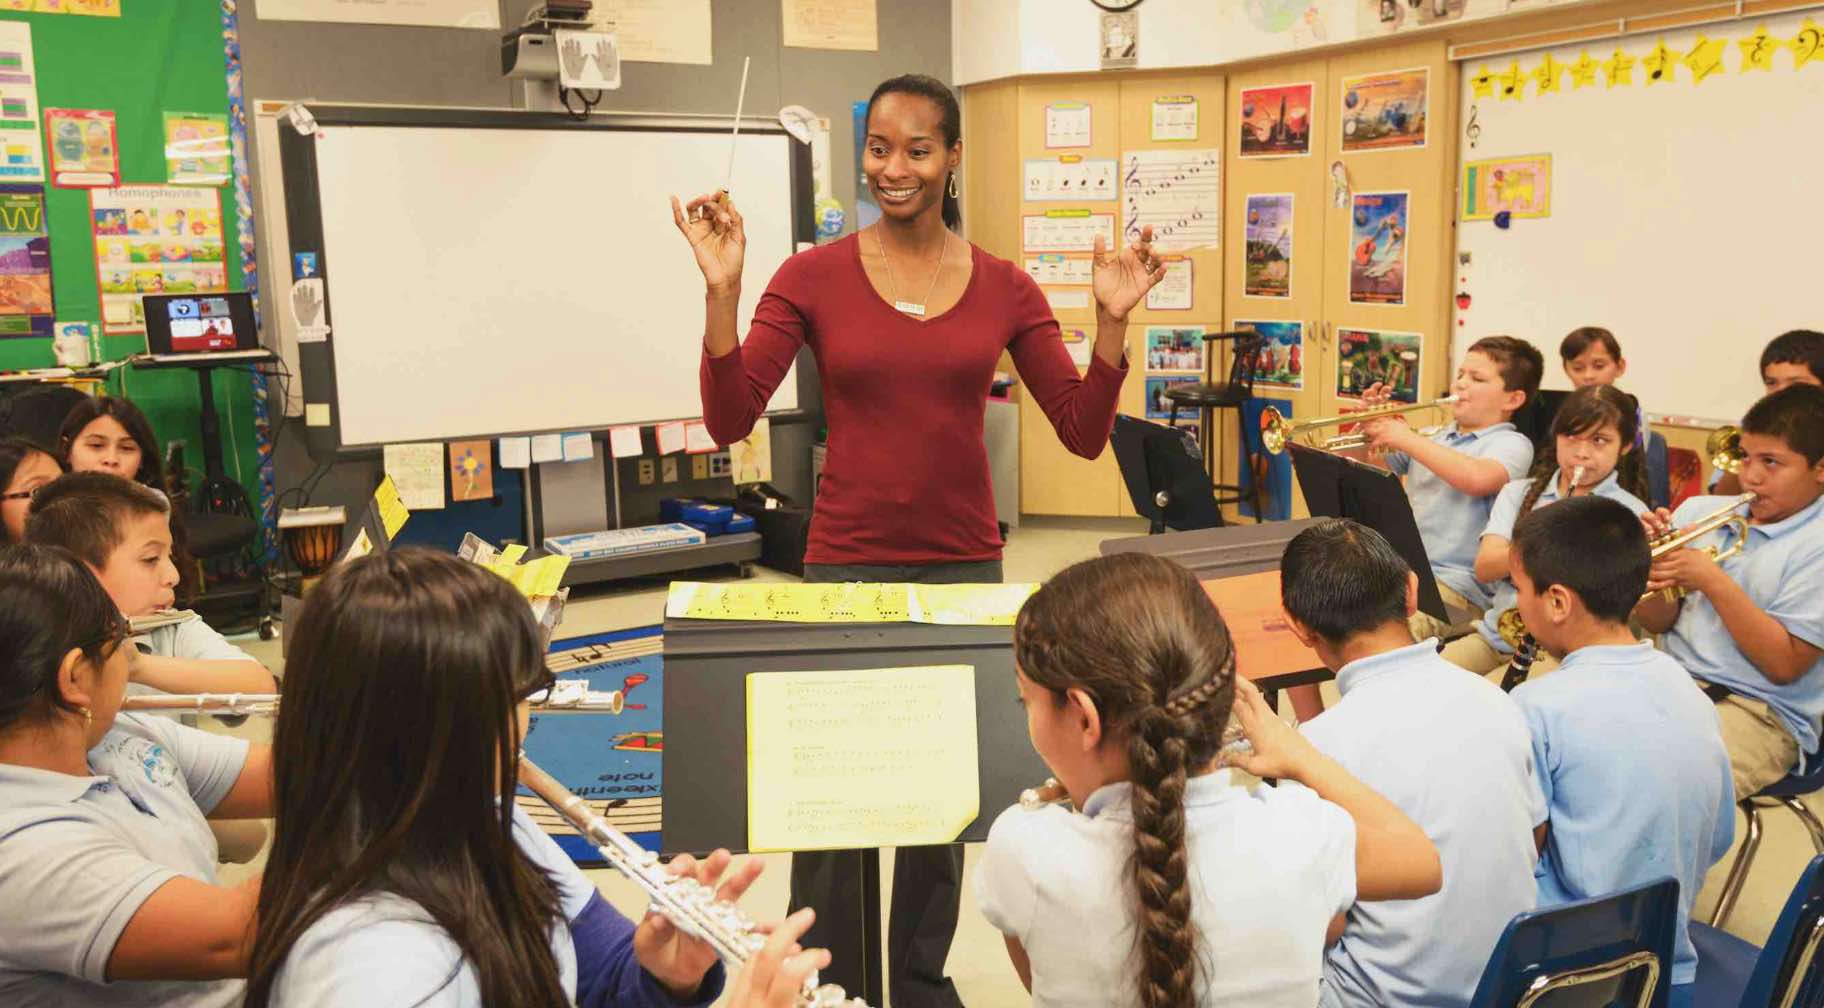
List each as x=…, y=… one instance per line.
x=158, y=56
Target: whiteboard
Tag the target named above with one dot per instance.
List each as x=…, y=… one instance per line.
x=1684, y=218
x=490, y=281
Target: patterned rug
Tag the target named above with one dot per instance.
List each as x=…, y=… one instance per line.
x=611, y=761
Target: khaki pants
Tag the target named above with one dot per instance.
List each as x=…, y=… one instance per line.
x=1761, y=750
x=1473, y=653
x=1461, y=614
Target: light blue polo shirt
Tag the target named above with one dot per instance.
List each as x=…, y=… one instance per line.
x=1451, y=521
x=1636, y=779
x=80, y=855
x=1782, y=570
x=385, y=951
x=1476, y=797
x=1501, y=521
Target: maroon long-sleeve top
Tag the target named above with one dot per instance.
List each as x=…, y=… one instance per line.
x=906, y=477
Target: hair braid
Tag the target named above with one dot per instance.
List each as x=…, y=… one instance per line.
x=1166, y=940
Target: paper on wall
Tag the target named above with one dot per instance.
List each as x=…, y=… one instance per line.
x=1174, y=118
x=1178, y=193
x=515, y=452
x=1067, y=124
x=417, y=471
x=1067, y=231
x=1174, y=290
x=659, y=31
x=21, y=144
x=547, y=447
x=830, y=24
x=624, y=442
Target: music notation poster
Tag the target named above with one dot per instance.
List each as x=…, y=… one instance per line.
x=1178, y=192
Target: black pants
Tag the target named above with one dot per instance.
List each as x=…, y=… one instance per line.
x=927, y=881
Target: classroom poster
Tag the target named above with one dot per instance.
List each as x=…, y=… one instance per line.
x=1268, y=269
x=1273, y=472
x=154, y=240
x=1377, y=240
x=1176, y=192
x=92, y=8
x=1276, y=121
x=830, y=24
x=26, y=307
x=196, y=148
x=1158, y=407
x=1367, y=356
x=21, y=145
x=84, y=153
x=1174, y=348
x=1385, y=111
x=1281, y=363
x=1518, y=186
x=1176, y=290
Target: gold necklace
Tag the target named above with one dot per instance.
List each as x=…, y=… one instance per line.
x=911, y=307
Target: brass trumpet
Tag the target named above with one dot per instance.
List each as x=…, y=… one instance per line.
x=1276, y=430
x=1724, y=448
x=1677, y=540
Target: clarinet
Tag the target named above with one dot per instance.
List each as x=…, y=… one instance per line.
x=687, y=903
x=1521, y=665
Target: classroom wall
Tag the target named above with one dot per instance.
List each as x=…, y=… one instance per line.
x=438, y=66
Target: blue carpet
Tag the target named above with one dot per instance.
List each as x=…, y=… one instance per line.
x=612, y=761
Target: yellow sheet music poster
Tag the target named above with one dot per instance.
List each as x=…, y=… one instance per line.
x=870, y=758
x=953, y=605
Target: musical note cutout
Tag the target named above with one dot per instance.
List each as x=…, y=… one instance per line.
x=1619, y=69
x=1807, y=45
x=1483, y=83
x=1548, y=73
x=1661, y=64
x=1705, y=58
x=1583, y=72
x=1178, y=192
x=1758, y=50
x=1513, y=83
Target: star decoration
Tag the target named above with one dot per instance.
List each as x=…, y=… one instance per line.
x=1661, y=64
x=1758, y=50
x=1583, y=72
x=1705, y=58
x=1547, y=74
x=1483, y=83
x=1619, y=69
x=1513, y=83
x=1808, y=45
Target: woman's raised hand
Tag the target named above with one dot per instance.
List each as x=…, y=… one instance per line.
x=717, y=238
x=1121, y=279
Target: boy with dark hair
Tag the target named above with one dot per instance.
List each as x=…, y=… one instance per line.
x=1348, y=596
x=1636, y=779
x=1751, y=628
x=1453, y=476
x=122, y=530
x=1795, y=357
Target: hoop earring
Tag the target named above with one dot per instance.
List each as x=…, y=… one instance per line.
x=950, y=190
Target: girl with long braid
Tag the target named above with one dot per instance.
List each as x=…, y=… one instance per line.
x=1176, y=884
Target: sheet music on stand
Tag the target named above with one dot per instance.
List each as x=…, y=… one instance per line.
x=1178, y=192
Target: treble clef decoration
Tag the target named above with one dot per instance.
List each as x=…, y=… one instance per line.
x=1474, y=129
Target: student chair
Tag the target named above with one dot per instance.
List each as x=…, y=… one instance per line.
x=1787, y=972
x=1788, y=791
x=1208, y=396
x=1611, y=950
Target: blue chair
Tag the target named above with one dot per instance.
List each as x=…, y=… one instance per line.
x=1786, y=973
x=1788, y=791
x=1613, y=951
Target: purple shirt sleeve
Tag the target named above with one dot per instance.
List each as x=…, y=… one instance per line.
x=608, y=976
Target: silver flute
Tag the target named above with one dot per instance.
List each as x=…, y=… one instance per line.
x=268, y=703
x=687, y=903
x=204, y=703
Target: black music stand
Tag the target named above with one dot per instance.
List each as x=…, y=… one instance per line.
x=705, y=758
x=1165, y=478
x=1339, y=487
